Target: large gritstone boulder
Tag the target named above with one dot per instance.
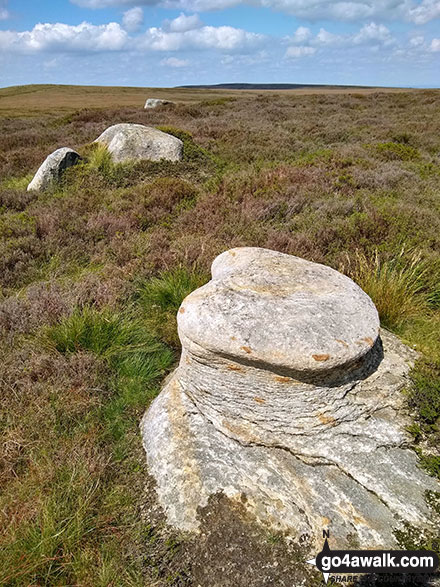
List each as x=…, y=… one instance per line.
x=131, y=142
x=53, y=167
x=155, y=102
x=287, y=398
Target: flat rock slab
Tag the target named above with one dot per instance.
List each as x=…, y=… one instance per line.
x=52, y=168
x=133, y=142
x=302, y=446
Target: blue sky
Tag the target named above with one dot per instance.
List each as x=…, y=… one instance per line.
x=172, y=42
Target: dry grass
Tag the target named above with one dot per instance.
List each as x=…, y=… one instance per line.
x=33, y=99
x=348, y=180
x=399, y=286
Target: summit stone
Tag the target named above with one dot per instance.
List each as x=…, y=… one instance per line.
x=288, y=398
x=131, y=142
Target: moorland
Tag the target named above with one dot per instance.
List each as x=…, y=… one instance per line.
x=92, y=273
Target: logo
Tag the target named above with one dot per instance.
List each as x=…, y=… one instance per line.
x=331, y=562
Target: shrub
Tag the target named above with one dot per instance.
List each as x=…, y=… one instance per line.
x=399, y=151
x=191, y=151
x=397, y=286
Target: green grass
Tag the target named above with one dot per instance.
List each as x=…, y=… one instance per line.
x=83, y=513
x=424, y=395
x=282, y=171
x=398, y=286
x=160, y=298
x=17, y=183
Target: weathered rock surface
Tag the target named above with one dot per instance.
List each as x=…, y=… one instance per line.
x=287, y=397
x=53, y=167
x=155, y=102
x=128, y=142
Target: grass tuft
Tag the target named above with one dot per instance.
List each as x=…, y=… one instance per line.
x=123, y=341
x=397, y=286
x=161, y=296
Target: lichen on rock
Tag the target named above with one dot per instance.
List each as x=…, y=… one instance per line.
x=287, y=394
x=133, y=142
x=52, y=168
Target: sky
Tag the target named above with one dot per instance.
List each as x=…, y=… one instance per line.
x=164, y=43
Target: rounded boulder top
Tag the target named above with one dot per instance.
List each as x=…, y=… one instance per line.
x=155, y=102
x=279, y=312
x=131, y=142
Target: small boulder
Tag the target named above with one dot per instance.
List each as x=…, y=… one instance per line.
x=128, y=142
x=155, y=102
x=53, y=167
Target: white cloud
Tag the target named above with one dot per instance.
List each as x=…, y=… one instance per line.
x=301, y=35
x=346, y=10
x=184, y=23
x=4, y=12
x=326, y=38
x=223, y=38
x=174, y=62
x=86, y=37
x=418, y=41
x=372, y=32
x=435, y=45
x=428, y=10
x=133, y=19
x=63, y=37
x=301, y=51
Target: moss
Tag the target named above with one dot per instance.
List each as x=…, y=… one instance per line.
x=412, y=538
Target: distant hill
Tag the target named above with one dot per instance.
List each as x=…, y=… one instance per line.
x=269, y=87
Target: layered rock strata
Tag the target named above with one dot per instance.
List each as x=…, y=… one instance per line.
x=287, y=398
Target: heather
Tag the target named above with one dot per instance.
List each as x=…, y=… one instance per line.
x=92, y=273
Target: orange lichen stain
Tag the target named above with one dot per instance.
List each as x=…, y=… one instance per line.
x=321, y=357
x=342, y=342
x=325, y=522
x=282, y=379
x=241, y=431
x=232, y=253
x=233, y=367
x=368, y=340
x=360, y=520
x=326, y=419
x=259, y=400
x=233, y=338
x=246, y=349
x=182, y=310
